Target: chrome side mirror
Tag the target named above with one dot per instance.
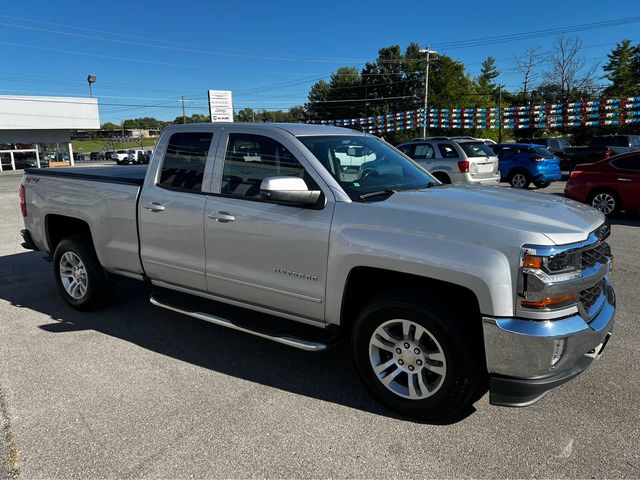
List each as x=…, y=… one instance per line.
x=291, y=190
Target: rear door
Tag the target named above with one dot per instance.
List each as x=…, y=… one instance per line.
x=260, y=252
x=171, y=211
x=627, y=177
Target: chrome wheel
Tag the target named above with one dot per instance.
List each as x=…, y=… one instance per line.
x=605, y=202
x=73, y=275
x=407, y=359
x=518, y=180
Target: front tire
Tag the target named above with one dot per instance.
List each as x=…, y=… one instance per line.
x=80, y=278
x=416, y=356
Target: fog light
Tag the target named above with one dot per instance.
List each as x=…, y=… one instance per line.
x=558, y=350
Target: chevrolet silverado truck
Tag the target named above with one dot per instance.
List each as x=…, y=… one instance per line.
x=441, y=291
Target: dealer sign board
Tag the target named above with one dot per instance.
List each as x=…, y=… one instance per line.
x=221, y=105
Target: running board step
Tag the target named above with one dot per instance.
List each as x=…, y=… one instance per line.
x=180, y=307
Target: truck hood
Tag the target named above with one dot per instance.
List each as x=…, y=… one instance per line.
x=561, y=220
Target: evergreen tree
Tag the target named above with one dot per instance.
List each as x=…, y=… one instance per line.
x=622, y=70
x=488, y=73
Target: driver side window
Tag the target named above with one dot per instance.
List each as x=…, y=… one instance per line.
x=249, y=159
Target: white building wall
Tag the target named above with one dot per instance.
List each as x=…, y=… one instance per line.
x=48, y=113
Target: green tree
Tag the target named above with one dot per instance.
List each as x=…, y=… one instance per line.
x=488, y=73
x=110, y=126
x=622, y=70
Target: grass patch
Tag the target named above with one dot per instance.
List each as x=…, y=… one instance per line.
x=98, y=145
x=13, y=456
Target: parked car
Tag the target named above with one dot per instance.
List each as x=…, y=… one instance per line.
x=555, y=145
x=96, y=156
x=521, y=163
x=451, y=161
x=609, y=185
x=601, y=147
x=138, y=156
x=121, y=157
x=488, y=141
x=436, y=288
x=78, y=156
x=147, y=155
x=20, y=161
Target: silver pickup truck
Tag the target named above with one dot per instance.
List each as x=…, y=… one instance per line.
x=440, y=290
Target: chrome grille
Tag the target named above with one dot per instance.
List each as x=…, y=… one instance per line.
x=598, y=254
x=589, y=296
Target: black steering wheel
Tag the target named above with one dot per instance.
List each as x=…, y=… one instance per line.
x=367, y=174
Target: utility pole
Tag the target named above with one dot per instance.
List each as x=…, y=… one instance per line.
x=122, y=131
x=184, y=117
x=499, y=113
x=425, y=128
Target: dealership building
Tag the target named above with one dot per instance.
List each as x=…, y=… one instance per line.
x=39, y=128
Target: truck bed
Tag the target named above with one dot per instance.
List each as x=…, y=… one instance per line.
x=133, y=175
x=104, y=198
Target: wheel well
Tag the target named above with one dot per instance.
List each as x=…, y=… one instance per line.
x=443, y=177
x=366, y=283
x=58, y=227
x=515, y=170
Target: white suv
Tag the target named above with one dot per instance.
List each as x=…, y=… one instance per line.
x=455, y=161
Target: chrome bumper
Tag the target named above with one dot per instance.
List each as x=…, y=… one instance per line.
x=526, y=358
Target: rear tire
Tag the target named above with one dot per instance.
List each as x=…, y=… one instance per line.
x=542, y=184
x=606, y=201
x=80, y=278
x=519, y=179
x=437, y=375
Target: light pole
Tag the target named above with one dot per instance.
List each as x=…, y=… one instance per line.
x=428, y=51
x=91, y=79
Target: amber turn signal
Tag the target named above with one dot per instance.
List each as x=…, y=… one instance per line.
x=532, y=261
x=550, y=302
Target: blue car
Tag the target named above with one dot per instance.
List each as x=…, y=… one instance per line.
x=521, y=164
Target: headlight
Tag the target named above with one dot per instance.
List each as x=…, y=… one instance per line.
x=539, y=272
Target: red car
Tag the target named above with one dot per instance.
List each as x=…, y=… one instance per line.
x=609, y=185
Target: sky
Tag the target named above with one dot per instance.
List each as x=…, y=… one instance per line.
x=147, y=55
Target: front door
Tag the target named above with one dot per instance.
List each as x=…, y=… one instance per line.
x=263, y=253
x=171, y=212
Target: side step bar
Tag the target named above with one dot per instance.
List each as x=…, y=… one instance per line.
x=223, y=322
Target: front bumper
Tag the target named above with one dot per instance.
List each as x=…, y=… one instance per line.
x=547, y=176
x=527, y=358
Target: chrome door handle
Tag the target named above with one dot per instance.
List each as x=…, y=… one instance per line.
x=221, y=217
x=153, y=206
x=624, y=179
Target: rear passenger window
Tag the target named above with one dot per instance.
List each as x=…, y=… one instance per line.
x=447, y=151
x=252, y=158
x=628, y=163
x=423, y=152
x=185, y=160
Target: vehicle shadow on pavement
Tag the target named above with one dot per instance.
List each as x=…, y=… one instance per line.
x=329, y=376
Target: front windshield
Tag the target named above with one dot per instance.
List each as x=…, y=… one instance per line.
x=365, y=164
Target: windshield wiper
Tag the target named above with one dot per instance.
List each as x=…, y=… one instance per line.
x=386, y=191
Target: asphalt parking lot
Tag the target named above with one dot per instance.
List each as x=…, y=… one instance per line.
x=135, y=391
